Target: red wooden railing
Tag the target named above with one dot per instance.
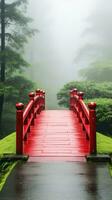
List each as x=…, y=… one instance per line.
x=25, y=117
x=86, y=116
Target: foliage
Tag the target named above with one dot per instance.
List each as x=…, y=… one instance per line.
x=8, y=146
x=104, y=114
x=16, y=90
x=15, y=87
x=98, y=71
x=101, y=93
x=91, y=90
x=5, y=170
x=17, y=32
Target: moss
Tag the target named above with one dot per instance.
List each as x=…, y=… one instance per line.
x=5, y=171
x=8, y=144
x=104, y=144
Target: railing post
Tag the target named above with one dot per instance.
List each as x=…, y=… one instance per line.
x=71, y=98
x=80, y=95
x=19, y=128
x=31, y=96
x=38, y=93
x=92, y=121
x=43, y=100
x=72, y=93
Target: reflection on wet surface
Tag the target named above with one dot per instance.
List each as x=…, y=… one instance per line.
x=58, y=181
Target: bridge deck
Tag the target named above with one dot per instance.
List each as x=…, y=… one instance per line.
x=57, y=135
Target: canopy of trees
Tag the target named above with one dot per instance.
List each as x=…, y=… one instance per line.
x=15, y=31
x=98, y=71
x=100, y=93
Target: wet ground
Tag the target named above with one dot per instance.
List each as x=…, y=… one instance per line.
x=58, y=181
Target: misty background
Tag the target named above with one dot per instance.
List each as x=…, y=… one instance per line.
x=71, y=35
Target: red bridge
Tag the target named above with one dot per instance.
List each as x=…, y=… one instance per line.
x=62, y=135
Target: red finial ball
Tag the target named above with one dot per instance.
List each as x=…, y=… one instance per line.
x=92, y=105
x=19, y=106
x=38, y=90
x=41, y=92
x=31, y=95
x=75, y=90
x=80, y=94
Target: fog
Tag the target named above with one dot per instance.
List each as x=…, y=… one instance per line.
x=96, y=40
x=68, y=38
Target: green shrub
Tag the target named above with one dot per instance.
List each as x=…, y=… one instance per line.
x=91, y=90
x=104, y=114
x=101, y=93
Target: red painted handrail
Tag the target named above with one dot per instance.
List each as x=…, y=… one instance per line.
x=25, y=117
x=86, y=116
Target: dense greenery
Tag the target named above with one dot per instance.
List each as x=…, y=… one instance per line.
x=104, y=114
x=15, y=31
x=98, y=71
x=5, y=170
x=18, y=90
x=91, y=90
x=101, y=93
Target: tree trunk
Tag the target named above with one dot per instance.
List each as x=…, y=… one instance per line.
x=2, y=72
x=1, y=112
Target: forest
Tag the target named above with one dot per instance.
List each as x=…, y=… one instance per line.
x=22, y=71
x=55, y=99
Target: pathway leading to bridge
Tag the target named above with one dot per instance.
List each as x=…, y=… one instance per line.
x=56, y=136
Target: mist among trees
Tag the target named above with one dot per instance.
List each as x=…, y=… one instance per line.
x=15, y=31
x=96, y=50
x=72, y=43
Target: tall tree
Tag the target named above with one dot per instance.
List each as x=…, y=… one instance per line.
x=2, y=71
x=15, y=31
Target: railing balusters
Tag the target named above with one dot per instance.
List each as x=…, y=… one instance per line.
x=85, y=116
x=25, y=118
x=31, y=96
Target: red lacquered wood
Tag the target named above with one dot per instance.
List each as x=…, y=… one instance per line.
x=57, y=136
x=31, y=96
x=92, y=121
x=25, y=119
x=86, y=117
x=27, y=109
x=19, y=128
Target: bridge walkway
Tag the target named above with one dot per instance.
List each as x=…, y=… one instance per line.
x=56, y=136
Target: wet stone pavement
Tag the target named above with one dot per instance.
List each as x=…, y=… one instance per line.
x=58, y=181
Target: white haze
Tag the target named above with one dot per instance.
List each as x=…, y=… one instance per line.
x=51, y=52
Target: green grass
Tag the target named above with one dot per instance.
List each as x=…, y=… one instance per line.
x=5, y=173
x=8, y=144
x=104, y=144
